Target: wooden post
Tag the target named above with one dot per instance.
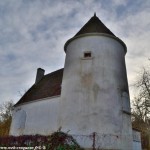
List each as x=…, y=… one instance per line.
x=94, y=134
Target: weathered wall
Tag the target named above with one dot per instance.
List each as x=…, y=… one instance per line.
x=92, y=90
x=94, y=97
x=39, y=117
x=136, y=140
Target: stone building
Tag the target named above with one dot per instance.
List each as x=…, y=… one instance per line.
x=89, y=95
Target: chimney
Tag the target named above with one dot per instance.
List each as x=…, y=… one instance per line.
x=39, y=75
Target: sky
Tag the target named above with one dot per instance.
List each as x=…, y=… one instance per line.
x=33, y=34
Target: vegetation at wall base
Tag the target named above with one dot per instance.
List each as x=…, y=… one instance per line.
x=56, y=141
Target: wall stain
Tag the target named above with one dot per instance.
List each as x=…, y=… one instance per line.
x=96, y=90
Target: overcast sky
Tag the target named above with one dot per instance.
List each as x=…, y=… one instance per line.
x=33, y=34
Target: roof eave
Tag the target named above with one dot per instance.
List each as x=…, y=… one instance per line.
x=95, y=34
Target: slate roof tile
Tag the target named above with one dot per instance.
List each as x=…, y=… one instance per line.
x=94, y=25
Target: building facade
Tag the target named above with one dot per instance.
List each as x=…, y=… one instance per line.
x=90, y=96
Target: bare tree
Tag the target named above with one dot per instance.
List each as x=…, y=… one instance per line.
x=5, y=117
x=141, y=103
x=141, y=106
x=6, y=110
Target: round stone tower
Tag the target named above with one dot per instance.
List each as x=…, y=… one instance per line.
x=95, y=95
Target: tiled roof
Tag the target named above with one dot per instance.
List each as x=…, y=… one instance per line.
x=94, y=25
x=48, y=86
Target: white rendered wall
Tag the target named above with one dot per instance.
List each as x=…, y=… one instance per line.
x=41, y=117
x=92, y=98
x=136, y=140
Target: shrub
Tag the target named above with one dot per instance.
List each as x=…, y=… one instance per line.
x=56, y=141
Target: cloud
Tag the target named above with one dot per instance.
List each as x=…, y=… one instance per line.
x=119, y=2
x=33, y=34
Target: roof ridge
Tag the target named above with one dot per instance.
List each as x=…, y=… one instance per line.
x=53, y=72
x=48, y=86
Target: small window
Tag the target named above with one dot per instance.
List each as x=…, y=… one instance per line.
x=87, y=54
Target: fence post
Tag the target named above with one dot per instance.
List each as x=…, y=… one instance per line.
x=94, y=134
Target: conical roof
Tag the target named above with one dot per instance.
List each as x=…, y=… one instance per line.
x=94, y=25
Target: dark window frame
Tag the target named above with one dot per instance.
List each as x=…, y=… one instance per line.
x=87, y=54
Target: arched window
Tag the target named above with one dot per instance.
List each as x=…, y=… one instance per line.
x=20, y=119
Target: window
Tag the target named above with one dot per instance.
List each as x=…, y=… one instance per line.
x=87, y=54
x=20, y=120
